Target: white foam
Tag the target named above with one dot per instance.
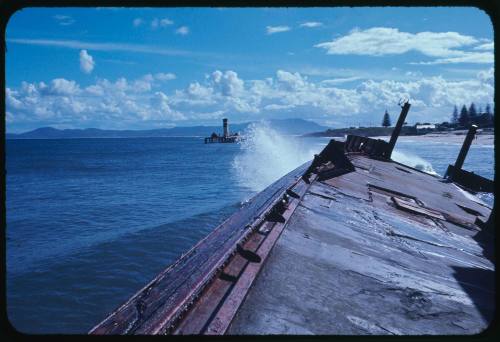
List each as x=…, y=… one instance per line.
x=470, y=196
x=266, y=156
x=413, y=161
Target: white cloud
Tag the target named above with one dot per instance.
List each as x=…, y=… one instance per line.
x=166, y=22
x=380, y=41
x=311, y=24
x=487, y=76
x=137, y=22
x=228, y=83
x=103, y=104
x=470, y=57
x=64, y=20
x=193, y=96
x=109, y=46
x=274, y=107
x=165, y=76
x=86, y=62
x=197, y=91
x=11, y=100
x=155, y=23
x=340, y=80
x=183, y=30
x=487, y=46
x=143, y=84
x=291, y=93
x=290, y=81
x=277, y=29
x=160, y=109
x=94, y=90
x=58, y=86
x=142, y=101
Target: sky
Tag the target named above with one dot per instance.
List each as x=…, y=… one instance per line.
x=145, y=68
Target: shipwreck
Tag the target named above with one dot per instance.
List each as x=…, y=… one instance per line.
x=349, y=243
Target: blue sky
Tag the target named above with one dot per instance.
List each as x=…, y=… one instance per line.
x=137, y=68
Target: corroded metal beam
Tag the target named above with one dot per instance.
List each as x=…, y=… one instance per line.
x=397, y=128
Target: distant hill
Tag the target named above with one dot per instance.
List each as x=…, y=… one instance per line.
x=284, y=126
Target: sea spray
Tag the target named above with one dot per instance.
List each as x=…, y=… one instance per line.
x=413, y=161
x=266, y=156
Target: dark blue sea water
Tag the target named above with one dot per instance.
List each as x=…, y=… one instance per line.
x=91, y=221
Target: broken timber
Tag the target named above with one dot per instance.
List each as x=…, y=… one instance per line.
x=350, y=243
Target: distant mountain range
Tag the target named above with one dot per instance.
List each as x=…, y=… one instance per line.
x=284, y=126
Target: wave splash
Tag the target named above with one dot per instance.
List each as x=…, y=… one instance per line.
x=266, y=156
x=413, y=161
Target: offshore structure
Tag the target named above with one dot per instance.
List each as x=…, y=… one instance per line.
x=226, y=136
x=349, y=243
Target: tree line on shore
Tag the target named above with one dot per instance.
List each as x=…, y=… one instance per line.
x=472, y=116
x=460, y=120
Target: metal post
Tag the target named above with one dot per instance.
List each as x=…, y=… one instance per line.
x=465, y=147
x=397, y=128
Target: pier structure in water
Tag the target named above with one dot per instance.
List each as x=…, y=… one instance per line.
x=226, y=137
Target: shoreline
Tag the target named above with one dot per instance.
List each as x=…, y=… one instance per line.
x=454, y=137
x=450, y=137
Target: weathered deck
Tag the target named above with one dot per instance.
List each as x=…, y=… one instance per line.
x=350, y=243
x=385, y=249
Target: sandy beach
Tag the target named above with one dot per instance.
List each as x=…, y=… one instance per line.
x=484, y=138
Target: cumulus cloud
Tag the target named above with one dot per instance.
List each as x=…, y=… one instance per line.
x=105, y=103
x=86, y=62
x=58, y=86
x=227, y=83
x=487, y=76
x=290, y=92
x=277, y=29
x=286, y=93
x=183, y=30
x=291, y=82
x=143, y=84
x=160, y=109
x=379, y=41
x=311, y=24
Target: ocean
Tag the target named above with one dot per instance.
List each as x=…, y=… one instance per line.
x=91, y=221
